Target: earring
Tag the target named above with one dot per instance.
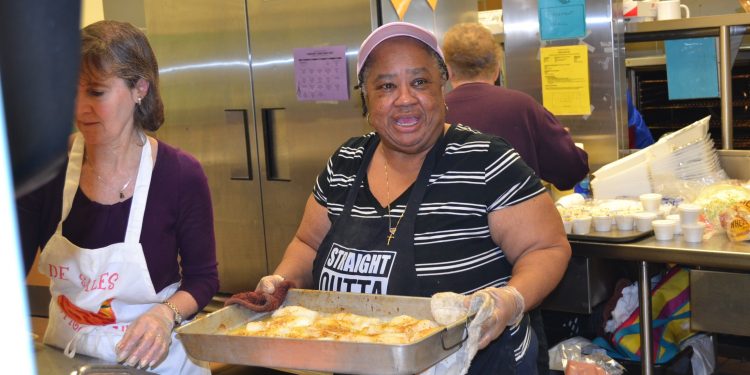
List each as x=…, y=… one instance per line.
x=446, y=107
x=367, y=116
x=138, y=100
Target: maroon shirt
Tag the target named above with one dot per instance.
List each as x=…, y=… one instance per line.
x=178, y=221
x=533, y=131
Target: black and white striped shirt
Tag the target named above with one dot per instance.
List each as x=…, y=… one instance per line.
x=476, y=175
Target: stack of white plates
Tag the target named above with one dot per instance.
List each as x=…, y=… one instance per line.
x=685, y=156
x=694, y=161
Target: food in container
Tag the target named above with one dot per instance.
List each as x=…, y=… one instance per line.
x=736, y=221
x=297, y=322
x=209, y=338
x=717, y=198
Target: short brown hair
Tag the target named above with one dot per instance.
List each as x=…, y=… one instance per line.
x=471, y=51
x=112, y=48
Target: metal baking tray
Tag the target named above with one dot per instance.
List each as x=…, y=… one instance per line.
x=207, y=339
x=614, y=236
x=102, y=369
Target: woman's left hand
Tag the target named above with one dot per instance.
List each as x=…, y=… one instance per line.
x=507, y=309
x=147, y=340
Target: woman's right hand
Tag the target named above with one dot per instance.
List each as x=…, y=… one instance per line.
x=147, y=340
x=268, y=284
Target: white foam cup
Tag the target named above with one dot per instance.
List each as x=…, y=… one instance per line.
x=602, y=223
x=624, y=221
x=582, y=225
x=663, y=229
x=643, y=220
x=568, y=225
x=650, y=202
x=693, y=232
x=689, y=213
x=678, y=225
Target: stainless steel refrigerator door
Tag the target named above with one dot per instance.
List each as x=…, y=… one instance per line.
x=297, y=137
x=603, y=131
x=206, y=86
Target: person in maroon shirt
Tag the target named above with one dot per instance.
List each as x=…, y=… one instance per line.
x=473, y=59
x=126, y=228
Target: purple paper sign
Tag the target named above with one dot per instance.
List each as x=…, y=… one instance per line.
x=320, y=73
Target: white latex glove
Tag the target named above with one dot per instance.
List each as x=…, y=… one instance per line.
x=147, y=340
x=446, y=309
x=268, y=284
x=493, y=309
x=507, y=310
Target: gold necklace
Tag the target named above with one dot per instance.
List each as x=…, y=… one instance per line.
x=105, y=183
x=391, y=230
x=122, y=190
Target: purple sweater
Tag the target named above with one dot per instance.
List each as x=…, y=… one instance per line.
x=178, y=221
x=532, y=130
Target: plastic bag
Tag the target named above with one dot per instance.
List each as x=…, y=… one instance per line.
x=703, y=359
x=736, y=221
x=578, y=355
x=716, y=199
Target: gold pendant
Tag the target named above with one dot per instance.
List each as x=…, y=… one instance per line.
x=390, y=236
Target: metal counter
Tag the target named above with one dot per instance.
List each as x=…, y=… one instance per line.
x=716, y=252
x=52, y=361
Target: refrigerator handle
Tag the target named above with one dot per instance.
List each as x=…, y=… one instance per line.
x=241, y=172
x=276, y=154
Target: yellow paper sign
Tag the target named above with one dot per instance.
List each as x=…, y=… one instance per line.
x=401, y=6
x=433, y=4
x=565, y=80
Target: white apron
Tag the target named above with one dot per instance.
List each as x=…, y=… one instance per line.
x=92, y=279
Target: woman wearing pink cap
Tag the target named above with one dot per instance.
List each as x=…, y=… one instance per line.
x=419, y=206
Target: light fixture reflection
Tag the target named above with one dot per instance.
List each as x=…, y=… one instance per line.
x=229, y=64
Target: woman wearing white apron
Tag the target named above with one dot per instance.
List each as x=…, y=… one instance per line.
x=114, y=224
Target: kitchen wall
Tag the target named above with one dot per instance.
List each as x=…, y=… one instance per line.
x=120, y=10
x=91, y=11
x=125, y=10
x=712, y=7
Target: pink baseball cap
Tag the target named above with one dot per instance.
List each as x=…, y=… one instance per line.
x=394, y=29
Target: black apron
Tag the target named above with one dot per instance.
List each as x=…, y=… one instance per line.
x=499, y=356
x=354, y=255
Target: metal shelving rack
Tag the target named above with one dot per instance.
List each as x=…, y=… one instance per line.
x=723, y=27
